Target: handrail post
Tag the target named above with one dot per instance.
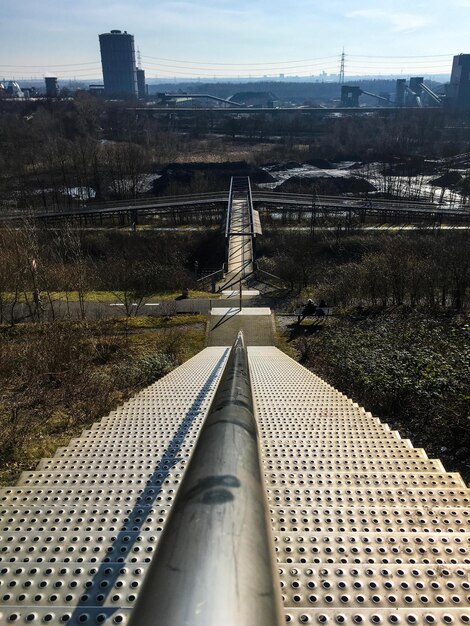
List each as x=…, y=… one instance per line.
x=214, y=564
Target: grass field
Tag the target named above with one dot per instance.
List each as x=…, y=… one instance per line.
x=106, y=297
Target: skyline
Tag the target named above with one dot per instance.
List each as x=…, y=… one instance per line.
x=212, y=38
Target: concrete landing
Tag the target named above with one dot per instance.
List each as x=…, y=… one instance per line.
x=235, y=293
x=233, y=310
x=256, y=324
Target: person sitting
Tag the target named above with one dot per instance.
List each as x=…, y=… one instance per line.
x=321, y=309
x=309, y=309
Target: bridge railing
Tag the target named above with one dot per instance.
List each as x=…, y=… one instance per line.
x=190, y=202
x=211, y=278
x=269, y=278
x=228, y=217
x=252, y=217
x=214, y=563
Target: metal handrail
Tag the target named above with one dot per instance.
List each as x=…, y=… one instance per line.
x=259, y=270
x=214, y=563
x=207, y=276
x=250, y=202
x=153, y=200
x=229, y=209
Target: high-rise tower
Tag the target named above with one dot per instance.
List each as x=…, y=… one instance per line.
x=118, y=63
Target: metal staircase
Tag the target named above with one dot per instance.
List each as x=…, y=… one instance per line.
x=365, y=528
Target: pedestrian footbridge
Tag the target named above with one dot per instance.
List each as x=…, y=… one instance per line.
x=242, y=225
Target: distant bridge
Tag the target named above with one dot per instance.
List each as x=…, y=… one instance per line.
x=237, y=110
x=130, y=211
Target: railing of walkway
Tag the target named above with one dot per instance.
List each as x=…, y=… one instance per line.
x=250, y=202
x=228, y=217
x=252, y=223
x=214, y=563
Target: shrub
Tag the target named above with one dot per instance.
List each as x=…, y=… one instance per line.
x=142, y=371
x=411, y=370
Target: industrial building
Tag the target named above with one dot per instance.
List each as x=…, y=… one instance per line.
x=459, y=88
x=255, y=98
x=11, y=90
x=52, y=88
x=141, y=87
x=118, y=63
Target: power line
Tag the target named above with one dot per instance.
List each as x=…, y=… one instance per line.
x=311, y=60
x=400, y=63
x=81, y=75
x=379, y=58
x=378, y=64
x=398, y=68
x=234, y=69
x=228, y=73
x=275, y=63
x=423, y=56
x=46, y=65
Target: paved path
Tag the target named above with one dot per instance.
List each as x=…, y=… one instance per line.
x=106, y=310
x=225, y=323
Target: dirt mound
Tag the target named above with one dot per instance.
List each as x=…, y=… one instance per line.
x=208, y=176
x=450, y=179
x=328, y=185
x=280, y=167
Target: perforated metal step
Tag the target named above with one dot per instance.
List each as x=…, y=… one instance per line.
x=78, y=533
x=366, y=528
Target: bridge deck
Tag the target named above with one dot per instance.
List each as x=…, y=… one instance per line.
x=239, y=232
x=366, y=528
x=240, y=253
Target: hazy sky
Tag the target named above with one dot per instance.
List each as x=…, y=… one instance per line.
x=237, y=37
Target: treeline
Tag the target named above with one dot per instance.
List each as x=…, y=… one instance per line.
x=37, y=267
x=65, y=153
x=415, y=268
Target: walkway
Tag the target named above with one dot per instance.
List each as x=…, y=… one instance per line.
x=225, y=323
x=241, y=228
